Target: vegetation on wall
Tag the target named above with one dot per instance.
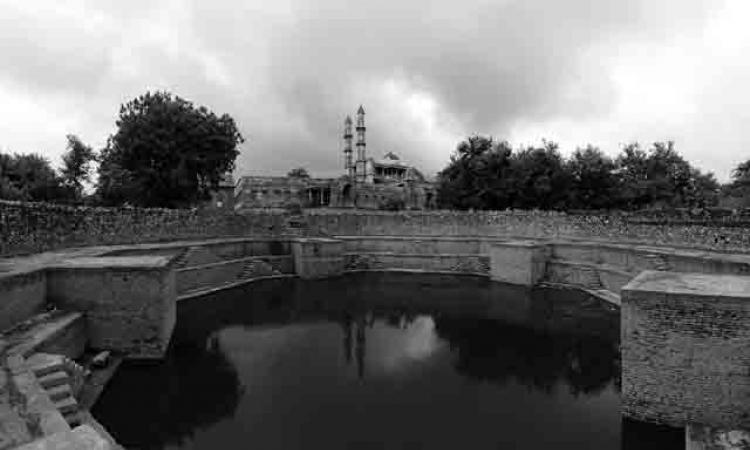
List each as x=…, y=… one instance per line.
x=485, y=174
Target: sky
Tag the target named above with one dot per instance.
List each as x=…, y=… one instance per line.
x=428, y=72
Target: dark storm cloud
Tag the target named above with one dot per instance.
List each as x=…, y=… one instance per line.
x=290, y=70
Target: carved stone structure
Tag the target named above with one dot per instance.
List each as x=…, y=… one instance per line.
x=386, y=183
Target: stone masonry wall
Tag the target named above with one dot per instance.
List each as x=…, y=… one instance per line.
x=37, y=227
x=685, y=349
x=526, y=224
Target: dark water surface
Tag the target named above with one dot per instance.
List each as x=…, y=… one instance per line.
x=382, y=361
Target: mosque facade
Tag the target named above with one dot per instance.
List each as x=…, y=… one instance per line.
x=368, y=183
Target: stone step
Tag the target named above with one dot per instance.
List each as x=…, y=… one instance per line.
x=67, y=405
x=44, y=363
x=60, y=392
x=54, y=379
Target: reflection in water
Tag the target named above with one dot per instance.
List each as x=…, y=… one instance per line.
x=142, y=396
x=490, y=350
x=376, y=361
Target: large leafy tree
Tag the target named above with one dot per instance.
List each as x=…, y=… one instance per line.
x=166, y=153
x=661, y=177
x=594, y=182
x=76, y=166
x=29, y=177
x=466, y=183
x=540, y=177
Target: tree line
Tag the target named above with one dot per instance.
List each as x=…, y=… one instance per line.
x=487, y=174
x=166, y=152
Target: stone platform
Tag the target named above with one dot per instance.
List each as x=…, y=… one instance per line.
x=686, y=349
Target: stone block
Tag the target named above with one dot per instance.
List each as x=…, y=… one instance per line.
x=22, y=295
x=129, y=302
x=518, y=262
x=686, y=349
x=318, y=257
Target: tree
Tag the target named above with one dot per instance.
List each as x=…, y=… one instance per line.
x=739, y=188
x=662, y=178
x=29, y=177
x=76, y=166
x=594, y=183
x=632, y=171
x=166, y=153
x=299, y=172
x=471, y=179
x=540, y=178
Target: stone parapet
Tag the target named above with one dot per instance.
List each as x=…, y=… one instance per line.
x=22, y=295
x=686, y=349
x=318, y=257
x=518, y=262
x=128, y=302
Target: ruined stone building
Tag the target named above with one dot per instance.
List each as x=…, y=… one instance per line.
x=385, y=183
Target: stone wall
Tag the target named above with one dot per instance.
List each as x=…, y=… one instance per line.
x=686, y=349
x=128, y=301
x=525, y=224
x=37, y=227
x=22, y=295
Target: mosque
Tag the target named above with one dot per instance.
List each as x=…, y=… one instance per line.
x=369, y=183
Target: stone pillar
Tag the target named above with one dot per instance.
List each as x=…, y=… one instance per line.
x=518, y=262
x=128, y=302
x=686, y=349
x=318, y=257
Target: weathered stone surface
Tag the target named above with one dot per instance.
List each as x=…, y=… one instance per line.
x=518, y=262
x=686, y=349
x=21, y=296
x=460, y=264
x=38, y=407
x=54, y=332
x=318, y=257
x=129, y=302
x=701, y=437
x=13, y=430
x=83, y=437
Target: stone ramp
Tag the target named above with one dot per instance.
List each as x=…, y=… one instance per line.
x=52, y=332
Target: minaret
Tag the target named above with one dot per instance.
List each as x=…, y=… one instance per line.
x=348, y=165
x=361, y=167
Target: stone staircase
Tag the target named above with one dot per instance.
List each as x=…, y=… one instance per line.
x=61, y=378
x=180, y=261
x=658, y=262
x=589, y=278
x=257, y=268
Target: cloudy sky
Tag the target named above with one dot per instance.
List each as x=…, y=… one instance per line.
x=429, y=72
